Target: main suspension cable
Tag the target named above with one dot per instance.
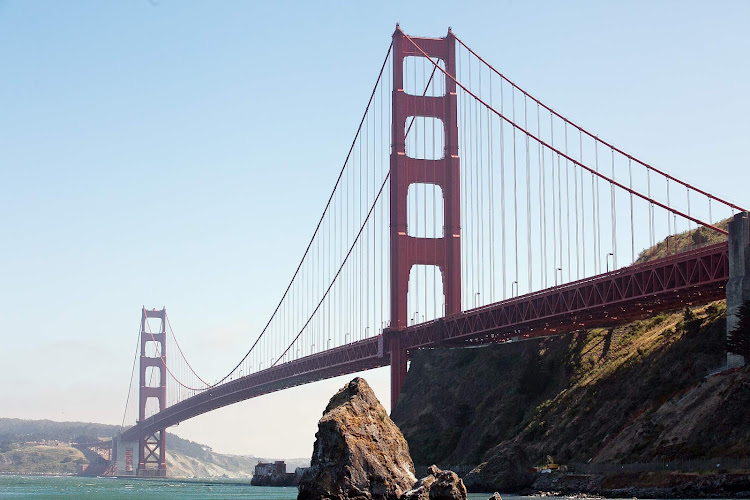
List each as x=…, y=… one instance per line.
x=591, y=135
x=576, y=162
x=320, y=222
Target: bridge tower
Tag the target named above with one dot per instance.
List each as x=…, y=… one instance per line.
x=408, y=251
x=152, y=450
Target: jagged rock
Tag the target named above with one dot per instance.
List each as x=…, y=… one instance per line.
x=438, y=485
x=359, y=453
x=508, y=469
x=495, y=496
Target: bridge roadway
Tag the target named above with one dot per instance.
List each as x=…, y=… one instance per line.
x=604, y=300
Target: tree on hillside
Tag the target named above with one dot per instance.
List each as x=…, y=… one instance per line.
x=739, y=338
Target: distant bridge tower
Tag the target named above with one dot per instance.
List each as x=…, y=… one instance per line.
x=152, y=458
x=408, y=251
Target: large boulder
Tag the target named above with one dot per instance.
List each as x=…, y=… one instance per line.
x=508, y=469
x=438, y=485
x=359, y=453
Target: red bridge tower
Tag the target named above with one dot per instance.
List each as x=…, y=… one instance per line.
x=408, y=251
x=152, y=458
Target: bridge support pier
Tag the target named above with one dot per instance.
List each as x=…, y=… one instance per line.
x=125, y=456
x=738, y=286
x=398, y=364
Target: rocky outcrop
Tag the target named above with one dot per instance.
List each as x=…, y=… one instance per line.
x=644, y=485
x=359, y=453
x=438, y=485
x=509, y=469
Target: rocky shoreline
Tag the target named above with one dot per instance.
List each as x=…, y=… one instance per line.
x=361, y=454
x=644, y=485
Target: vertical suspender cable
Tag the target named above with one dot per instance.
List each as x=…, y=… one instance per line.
x=614, y=213
x=515, y=186
x=503, y=246
x=594, y=211
x=567, y=199
x=554, y=202
x=575, y=190
x=132, y=375
x=559, y=211
x=491, y=218
x=598, y=213
x=632, y=227
x=475, y=162
x=650, y=210
x=542, y=214
x=529, y=263
x=669, y=215
x=481, y=186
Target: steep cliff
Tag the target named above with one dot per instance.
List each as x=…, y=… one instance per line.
x=634, y=394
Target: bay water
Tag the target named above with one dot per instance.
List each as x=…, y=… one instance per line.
x=106, y=488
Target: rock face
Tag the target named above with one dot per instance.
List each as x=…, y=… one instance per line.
x=578, y=396
x=359, y=452
x=660, y=484
x=507, y=470
x=438, y=485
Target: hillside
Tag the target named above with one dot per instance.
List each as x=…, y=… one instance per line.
x=21, y=451
x=637, y=394
x=684, y=241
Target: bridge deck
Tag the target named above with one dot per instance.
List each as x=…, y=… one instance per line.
x=608, y=299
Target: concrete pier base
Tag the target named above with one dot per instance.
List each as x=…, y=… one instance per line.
x=125, y=456
x=738, y=286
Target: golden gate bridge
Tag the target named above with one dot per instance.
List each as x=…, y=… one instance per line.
x=466, y=211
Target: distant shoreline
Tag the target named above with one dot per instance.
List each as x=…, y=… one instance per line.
x=44, y=474
x=190, y=480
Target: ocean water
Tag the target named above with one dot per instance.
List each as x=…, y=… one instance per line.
x=84, y=488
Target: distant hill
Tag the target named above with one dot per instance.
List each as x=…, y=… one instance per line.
x=22, y=451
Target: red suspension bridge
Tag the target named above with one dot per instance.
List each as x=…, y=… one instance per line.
x=466, y=211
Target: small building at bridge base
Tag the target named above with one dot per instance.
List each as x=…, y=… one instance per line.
x=738, y=286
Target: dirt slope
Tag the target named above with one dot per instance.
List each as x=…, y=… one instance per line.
x=637, y=394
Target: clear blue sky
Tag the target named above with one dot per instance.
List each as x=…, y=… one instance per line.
x=178, y=153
